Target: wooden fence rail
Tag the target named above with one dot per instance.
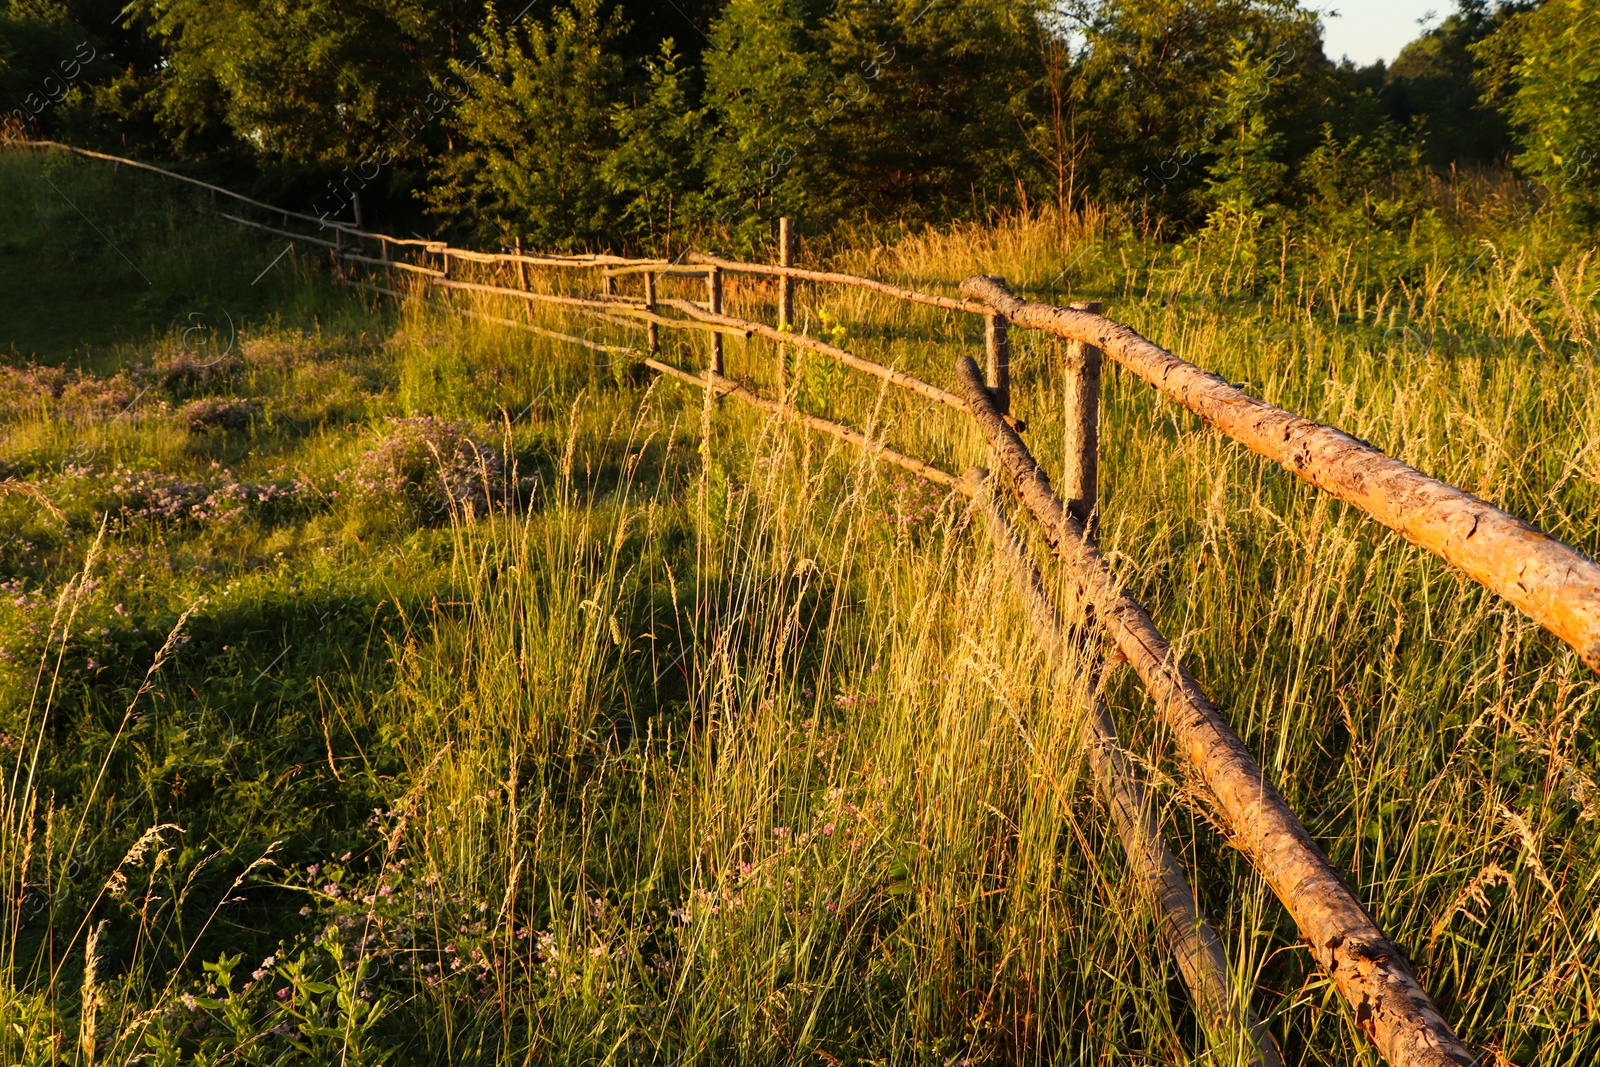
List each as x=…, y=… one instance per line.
x=1548, y=580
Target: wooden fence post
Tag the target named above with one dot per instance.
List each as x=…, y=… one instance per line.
x=652, y=332
x=997, y=344
x=714, y=297
x=785, y=301
x=522, y=268
x=609, y=286
x=1080, y=446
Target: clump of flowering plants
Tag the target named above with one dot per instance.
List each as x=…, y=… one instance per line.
x=428, y=469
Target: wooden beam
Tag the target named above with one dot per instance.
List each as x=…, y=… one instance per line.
x=997, y=350
x=1080, y=445
x=722, y=386
x=849, y=359
x=714, y=305
x=912, y=295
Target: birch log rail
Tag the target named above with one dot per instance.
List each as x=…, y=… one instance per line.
x=1389, y=1004
x=1551, y=582
x=1186, y=935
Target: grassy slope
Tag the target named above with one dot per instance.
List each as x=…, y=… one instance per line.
x=729, y=751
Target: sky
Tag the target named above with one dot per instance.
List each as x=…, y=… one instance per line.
x=1370, y=30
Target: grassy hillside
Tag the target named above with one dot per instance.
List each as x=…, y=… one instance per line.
x=389, y=687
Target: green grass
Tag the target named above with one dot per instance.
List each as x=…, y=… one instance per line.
x=705, y=740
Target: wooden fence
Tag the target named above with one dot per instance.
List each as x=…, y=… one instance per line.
x=1549, y=581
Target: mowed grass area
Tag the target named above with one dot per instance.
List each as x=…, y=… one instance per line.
x=514, y=708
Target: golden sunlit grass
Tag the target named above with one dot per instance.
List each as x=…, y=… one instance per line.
x=724, y=744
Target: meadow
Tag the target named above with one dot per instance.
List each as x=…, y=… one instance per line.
x=383, y=686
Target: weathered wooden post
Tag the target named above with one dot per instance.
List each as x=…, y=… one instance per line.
x=785, y=301
x=652, y=332
x=522, y=268
x=997, y=345
x=609, y=286
x=785, y=283
x=1080, y=446
x=714, y=297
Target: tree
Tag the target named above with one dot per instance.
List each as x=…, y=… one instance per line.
x=43, y=56
x=1433, y=82
x=1246, y=172
x=920, y=112
x=1156, y=83
x=658, y=166
x=1047, y=116
x=764, y=88
x=1543, y=69
x=327, y=83
x=532, y=132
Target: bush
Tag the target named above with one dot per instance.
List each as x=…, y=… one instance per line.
x=218, y=413
x=429, y=469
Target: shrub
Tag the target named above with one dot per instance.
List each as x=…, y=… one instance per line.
x=218, y=413
x=429, y=469
x=171, y=498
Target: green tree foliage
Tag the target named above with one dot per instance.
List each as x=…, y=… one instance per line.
x=43, y=57
x=313, y=82
x=1543, y=66
x=533, y=131
x=919, y=116
x=899, y=109
x=766, y=91
x=1247, y=172
x=658, y=166
x=1159, y=79
x=1433, y=84
x=582, y=123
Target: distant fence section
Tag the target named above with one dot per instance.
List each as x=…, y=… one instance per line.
x=1549, y=581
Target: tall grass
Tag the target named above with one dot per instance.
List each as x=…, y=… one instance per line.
x=718, y=742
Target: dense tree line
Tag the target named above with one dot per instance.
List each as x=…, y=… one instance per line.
x=646, y=124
